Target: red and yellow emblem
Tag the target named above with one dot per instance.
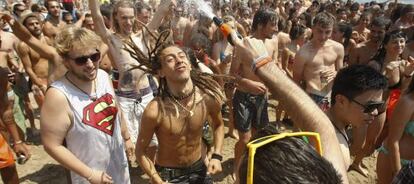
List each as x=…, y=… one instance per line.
x=101, y=114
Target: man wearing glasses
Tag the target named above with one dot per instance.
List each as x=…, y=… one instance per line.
x=80, y=108
x=357, y=91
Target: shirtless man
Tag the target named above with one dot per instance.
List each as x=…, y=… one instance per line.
x=250, y=98
x=366, y=50
x=177, y=118
x=36, y=67
x=179, y=25
x=317, y=62
x=134, y=90
x=7, y=165
x=53, y=23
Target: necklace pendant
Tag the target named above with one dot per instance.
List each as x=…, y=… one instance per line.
x=191, y=113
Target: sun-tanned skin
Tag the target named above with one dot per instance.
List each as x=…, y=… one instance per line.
x=317, y=59
x=9, y=173
x=179, y=133
x=366, y=50
x=249, y=83
x=308, y=116
x=54, y=23
x=36, y=67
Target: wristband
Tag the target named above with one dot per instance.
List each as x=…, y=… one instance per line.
x=217, y=156
x=261, y=63
x=257, y=60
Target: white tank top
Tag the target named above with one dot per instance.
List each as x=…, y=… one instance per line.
x=95, y=136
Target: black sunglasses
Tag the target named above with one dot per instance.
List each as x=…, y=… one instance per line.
x=370, y=106
x=82, y=60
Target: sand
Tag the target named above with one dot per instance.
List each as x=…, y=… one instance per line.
x=41, y=168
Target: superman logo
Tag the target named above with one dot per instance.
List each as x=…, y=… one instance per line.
x=101, y=114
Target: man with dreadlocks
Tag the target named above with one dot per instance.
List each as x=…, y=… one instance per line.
x=135, y=91
x=186, y=98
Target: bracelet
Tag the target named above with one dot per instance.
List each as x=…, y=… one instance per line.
x=217, y=156
x=91, y=175
x=18, y=142
x=255, y=61
x=261, y=63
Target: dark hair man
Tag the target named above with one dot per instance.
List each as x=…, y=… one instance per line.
x=250, y=97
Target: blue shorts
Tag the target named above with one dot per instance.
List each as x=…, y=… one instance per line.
x=250, y=110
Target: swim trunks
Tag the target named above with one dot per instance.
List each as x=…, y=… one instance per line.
x=250, y=110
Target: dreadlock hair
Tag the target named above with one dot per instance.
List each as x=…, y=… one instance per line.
x=151, y=63
x=205, y=82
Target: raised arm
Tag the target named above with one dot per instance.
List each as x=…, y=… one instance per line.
x=98, y=20
x=159, y=15
x=23, y=34
x=308, y=116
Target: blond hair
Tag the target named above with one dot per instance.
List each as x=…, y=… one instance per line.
x=71, y=35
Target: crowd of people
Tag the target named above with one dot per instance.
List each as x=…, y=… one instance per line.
x=151, y=82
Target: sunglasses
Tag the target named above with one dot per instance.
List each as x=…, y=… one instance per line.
x=370, y=106
x=82, y=60
x=309, y=137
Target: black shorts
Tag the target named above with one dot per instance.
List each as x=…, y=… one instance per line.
x=193, y=174
x=250, y=110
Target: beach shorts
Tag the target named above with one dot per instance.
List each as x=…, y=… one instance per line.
x=6, y=154
x=194, y=174
x=322, y=101
x=406, y=174
x=133, y=106
x=250, y=111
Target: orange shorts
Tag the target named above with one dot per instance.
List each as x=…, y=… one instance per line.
x=6, y=154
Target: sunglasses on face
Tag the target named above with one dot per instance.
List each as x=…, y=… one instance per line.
x=257, y=143
x=370, y=106
x=82, y=60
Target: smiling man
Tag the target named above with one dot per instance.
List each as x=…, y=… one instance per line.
x=186, y=99
x=356, y=96
x=317, y=62
x=88, y=119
